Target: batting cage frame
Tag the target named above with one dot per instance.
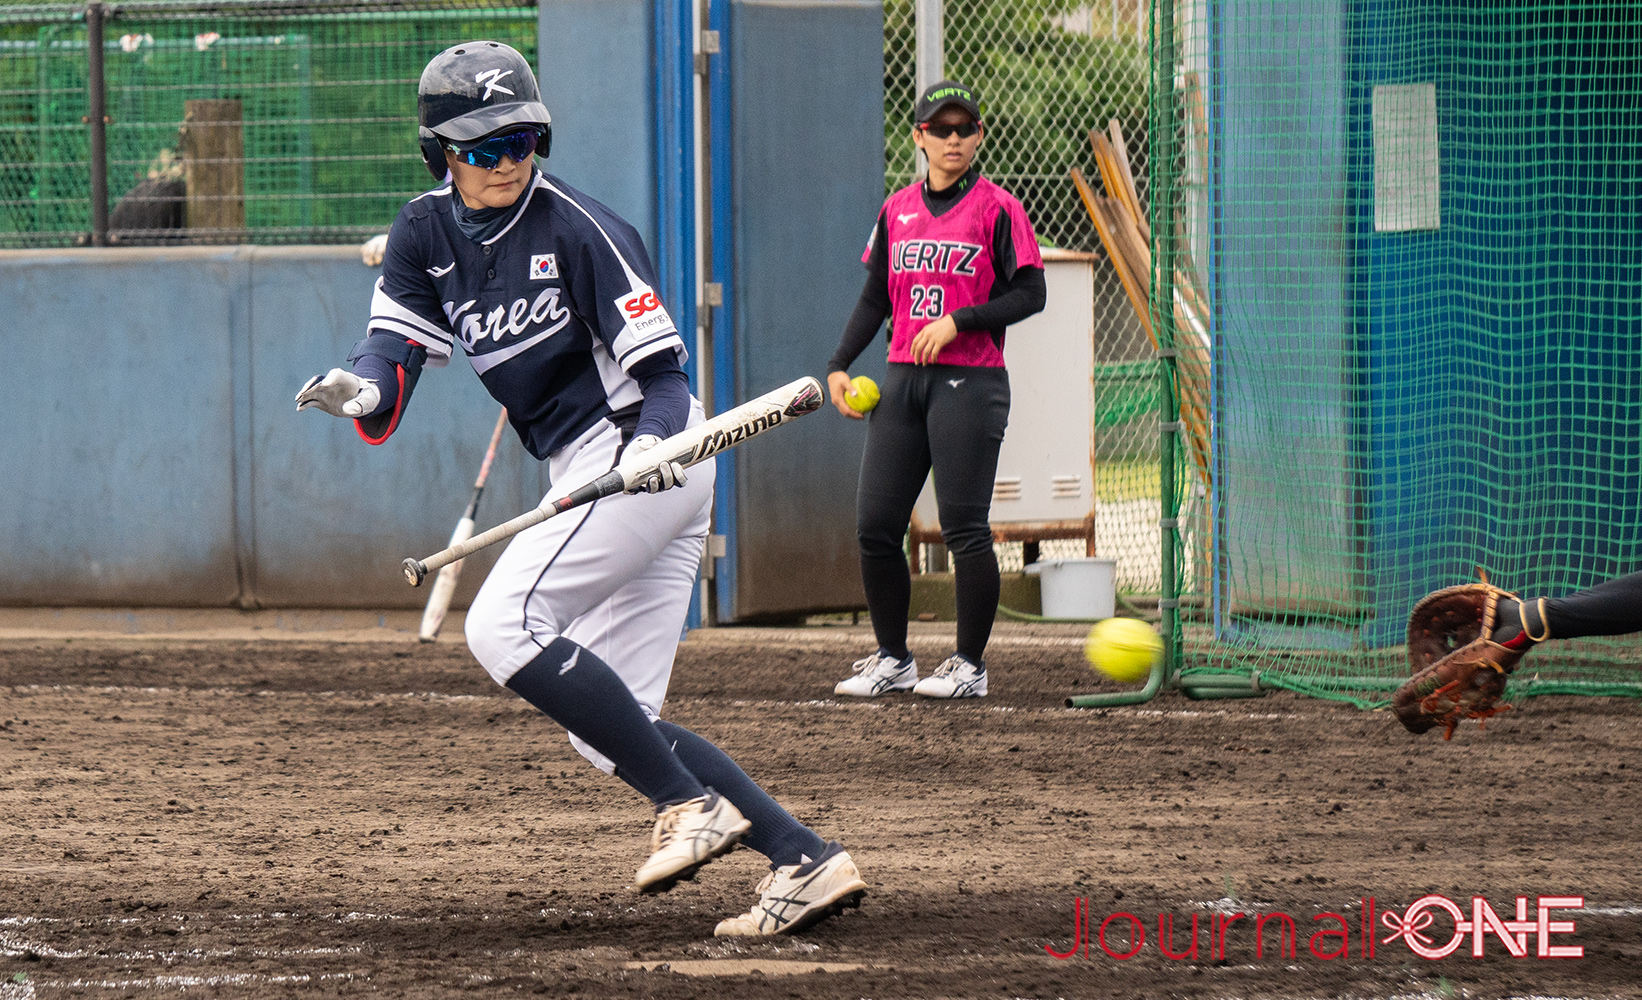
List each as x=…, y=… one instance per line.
x=1397, y=306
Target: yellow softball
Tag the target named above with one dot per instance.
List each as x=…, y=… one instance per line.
x=862, y=395
x=1124, y=649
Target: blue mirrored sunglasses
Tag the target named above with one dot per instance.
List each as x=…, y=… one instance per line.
x=513, y=145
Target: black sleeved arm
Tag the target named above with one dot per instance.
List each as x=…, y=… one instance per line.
x=1024, y=296
x=870, y=309
x=1018, y=293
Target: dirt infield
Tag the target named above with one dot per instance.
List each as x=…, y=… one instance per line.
x=298, y=818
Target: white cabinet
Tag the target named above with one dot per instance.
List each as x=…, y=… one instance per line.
x=1045, y=484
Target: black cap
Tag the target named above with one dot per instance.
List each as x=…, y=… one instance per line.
x=946, y=93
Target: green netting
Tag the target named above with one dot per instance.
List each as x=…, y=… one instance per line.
x=33, y=116
x=1125, y=393
x=1410, y=233
x=328, y=100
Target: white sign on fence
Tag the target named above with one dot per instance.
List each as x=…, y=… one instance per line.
x=1406, y=164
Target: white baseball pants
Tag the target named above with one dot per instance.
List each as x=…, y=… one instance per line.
x=615, y=576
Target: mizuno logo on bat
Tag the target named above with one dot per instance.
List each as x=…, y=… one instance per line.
x=717, y=441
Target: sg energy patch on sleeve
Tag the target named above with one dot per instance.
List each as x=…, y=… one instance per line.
x=643, y=316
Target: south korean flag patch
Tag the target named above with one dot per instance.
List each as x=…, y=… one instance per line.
x=543, y=266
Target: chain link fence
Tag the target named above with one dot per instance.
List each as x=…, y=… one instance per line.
x=1048, y=72
x=311, y=109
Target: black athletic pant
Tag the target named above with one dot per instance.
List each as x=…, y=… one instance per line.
x=950, y=418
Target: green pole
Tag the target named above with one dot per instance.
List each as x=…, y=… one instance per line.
x=1161, y=195
x=1252, y=682
x=1161, y=141
x=1154, y=683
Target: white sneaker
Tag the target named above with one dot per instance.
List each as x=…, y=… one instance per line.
x=877, y=674
x=956, y=677
x=793, y=897
x=687, y=836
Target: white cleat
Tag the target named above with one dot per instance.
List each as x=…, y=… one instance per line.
x=877, y=674
x=956, y=677
x=687, y=836
x=794, y=897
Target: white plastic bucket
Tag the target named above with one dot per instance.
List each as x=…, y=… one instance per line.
x=1077, y=588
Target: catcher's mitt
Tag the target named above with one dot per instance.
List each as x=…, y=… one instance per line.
x=1458, y=670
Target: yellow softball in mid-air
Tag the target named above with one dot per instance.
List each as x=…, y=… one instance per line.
x=1124, y=649
x=862, y=395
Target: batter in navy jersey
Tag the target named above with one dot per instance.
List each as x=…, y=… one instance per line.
x=951, y=263
x=551, y=296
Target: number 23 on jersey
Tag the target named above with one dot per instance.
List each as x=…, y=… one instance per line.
x=928, y=301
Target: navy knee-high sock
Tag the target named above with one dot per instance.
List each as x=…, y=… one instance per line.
x=580, y=692
x=775, y=833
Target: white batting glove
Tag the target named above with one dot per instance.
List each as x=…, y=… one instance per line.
x=339, y=393
x=373, y=250
x=666, y=475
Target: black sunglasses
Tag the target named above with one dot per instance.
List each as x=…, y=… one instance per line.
x=488, y=154
x=963, y=131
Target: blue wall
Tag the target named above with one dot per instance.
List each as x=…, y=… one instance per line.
x=800, y=207
x=154, y=455
x=595, y=66
x=786, y=236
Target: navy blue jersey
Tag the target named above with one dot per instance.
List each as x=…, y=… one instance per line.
x=552, y=311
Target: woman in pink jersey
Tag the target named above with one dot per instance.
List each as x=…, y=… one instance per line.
x=952, y=262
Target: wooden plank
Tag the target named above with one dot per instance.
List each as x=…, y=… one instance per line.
x=1107, y=162
x=1135, y=257
x=1120, y=150
x=213, y=145
x=1137, y=301
x=1190, y=392
x=1140, y=252
x=1137, y=247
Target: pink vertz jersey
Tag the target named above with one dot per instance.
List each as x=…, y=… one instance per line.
x=940, y=264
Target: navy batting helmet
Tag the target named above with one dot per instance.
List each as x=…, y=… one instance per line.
x=474, y=90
